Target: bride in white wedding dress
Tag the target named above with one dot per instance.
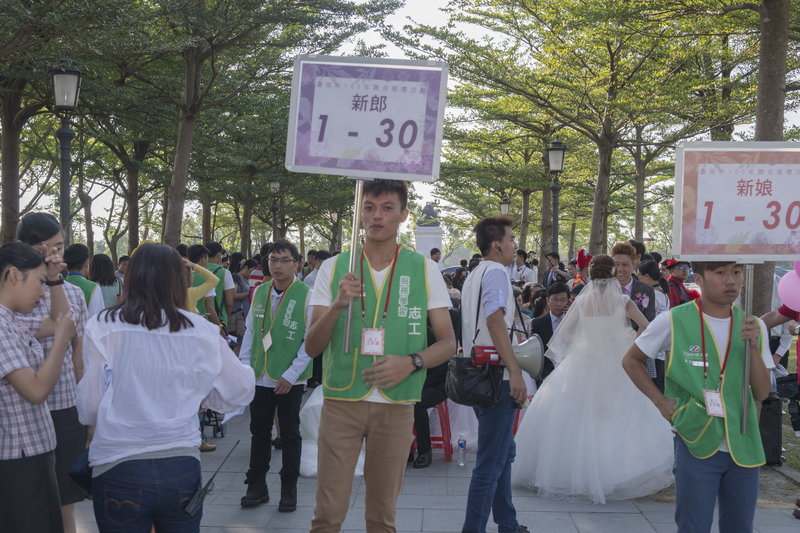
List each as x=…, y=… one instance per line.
x=589, y=432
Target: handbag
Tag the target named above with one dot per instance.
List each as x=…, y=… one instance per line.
x=471, y=385
x=81, y=472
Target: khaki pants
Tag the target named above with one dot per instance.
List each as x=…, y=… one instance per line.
x=343, y=426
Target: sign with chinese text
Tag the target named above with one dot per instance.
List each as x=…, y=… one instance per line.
x=737, y=201
x=366, y=117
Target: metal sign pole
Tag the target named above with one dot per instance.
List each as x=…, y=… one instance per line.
x=353, y=249
x=748, y=309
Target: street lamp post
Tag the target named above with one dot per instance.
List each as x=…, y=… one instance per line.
x=66, y=89
x=274, y=187
x=555, y=162
x=505, y=204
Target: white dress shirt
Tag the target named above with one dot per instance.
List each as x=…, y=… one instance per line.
x=142, y=388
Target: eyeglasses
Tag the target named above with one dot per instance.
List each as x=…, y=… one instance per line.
x=279, y=261
x=684, y=268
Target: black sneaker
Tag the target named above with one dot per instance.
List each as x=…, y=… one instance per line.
x=523, y=529
x=257, y=494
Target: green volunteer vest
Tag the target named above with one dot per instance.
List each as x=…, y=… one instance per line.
x=287, y=329
x=87, y=286
x=198, y=280
x=703, y=434
x=405, y=328
x=219, y=296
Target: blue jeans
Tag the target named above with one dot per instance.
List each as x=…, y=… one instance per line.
x=490, y=486
x=136, y=494
x=698, y=484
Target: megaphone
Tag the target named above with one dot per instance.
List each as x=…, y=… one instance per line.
x=530, y=356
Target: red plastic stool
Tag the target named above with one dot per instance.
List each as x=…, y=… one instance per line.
x=444, y=442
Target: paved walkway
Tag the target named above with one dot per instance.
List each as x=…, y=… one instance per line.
x=433, y=500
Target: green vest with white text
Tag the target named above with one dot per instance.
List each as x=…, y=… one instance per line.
x=405, y=328
x=286, y=328
x=703, y=434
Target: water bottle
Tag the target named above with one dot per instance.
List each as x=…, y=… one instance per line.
x=462, y=450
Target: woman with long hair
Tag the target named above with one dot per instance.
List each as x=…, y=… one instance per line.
x=149, y=364
x=589, y=432
x=29, y=498
x=101, y=271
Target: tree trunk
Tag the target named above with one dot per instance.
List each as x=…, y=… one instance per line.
x=206, y=217
x=525, y=223
x=86, y=204
x=247, y=225
x=769, y=113
x=164, y=209
x=639, y=180
x=9, y=159
x=302, y=230
x=546, y=231
x=192, y=63
x=140, y=148
x=572, y=228
x=598, y=233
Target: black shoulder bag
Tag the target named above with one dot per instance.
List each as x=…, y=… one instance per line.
x=470, y=385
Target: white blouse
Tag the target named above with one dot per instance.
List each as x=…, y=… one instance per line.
x=142, y=388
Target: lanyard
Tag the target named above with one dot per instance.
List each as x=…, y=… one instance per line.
x=280, y=301
x=703, y=345
x=388, y=290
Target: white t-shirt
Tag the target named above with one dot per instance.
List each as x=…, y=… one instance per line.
x=227, y=281
x=437, y=297
x=658, y=338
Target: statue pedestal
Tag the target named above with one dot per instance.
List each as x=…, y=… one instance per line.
x=426, y=238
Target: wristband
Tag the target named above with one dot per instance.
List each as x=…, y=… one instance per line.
x=55, y=283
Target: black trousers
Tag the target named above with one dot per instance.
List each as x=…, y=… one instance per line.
x=262, y=412
x=431, y=397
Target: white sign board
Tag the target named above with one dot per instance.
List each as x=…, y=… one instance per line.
x=737, y=201
x=366, y=118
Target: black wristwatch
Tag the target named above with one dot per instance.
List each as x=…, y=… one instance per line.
x=54, y=283
x=417, y=361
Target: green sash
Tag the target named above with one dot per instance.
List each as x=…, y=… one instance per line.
x=405, y=328
x=286, y=328
x=219, y=295
x=703, y=434
x=198, y=280
x=87, y=286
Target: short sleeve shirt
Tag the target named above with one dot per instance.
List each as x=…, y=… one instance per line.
x=63, y=394
x=26, y=428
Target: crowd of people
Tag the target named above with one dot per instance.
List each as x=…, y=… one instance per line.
x=130, y=363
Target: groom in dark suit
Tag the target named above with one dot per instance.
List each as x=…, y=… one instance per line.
x=625, y=259
x=545, y=326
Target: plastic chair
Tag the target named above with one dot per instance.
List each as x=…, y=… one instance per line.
x=445, y=441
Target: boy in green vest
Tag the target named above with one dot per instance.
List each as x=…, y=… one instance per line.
x=223, y=298
x=705, y=340
x=370, y=387
x=273, y=345
x=77, y=256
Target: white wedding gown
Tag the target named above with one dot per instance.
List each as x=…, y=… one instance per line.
x=589, y=432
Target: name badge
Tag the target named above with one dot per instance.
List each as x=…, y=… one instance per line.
x=713, y=401
x=267, y=341
x=372, y=341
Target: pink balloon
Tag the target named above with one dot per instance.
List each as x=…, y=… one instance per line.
x=789, y=290
x=797, y=267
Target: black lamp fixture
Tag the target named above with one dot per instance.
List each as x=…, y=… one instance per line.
x=555, y=163
x=66, y=90
x=505, y=204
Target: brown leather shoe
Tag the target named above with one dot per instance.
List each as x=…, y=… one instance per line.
x=796, y=513
x=206, y=447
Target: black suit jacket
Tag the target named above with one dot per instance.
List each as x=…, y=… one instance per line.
x=543, y=326
x=641, y=293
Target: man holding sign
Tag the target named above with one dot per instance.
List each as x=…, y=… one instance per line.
x=371, y=387
x=705, y=340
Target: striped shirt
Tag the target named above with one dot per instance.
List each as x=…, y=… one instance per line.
x=26, y=429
